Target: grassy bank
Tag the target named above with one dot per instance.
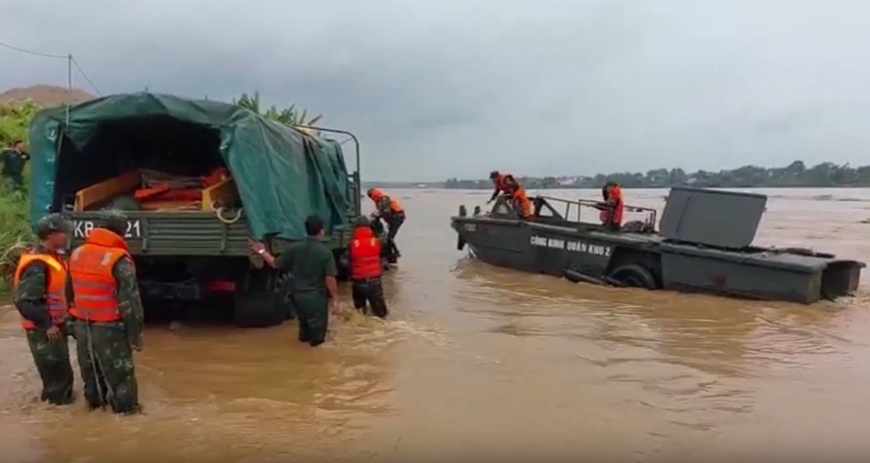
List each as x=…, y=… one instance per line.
x=14, y=208
x=15, y=232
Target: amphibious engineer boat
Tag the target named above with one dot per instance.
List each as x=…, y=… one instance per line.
x=704, y=245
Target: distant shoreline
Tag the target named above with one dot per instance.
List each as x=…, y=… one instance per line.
x=795, y=175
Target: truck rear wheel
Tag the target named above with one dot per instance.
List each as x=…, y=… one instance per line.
x=258, y=311
x=284, y=296
x=266, y=302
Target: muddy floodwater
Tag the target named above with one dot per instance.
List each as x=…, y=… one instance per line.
x=481, y=361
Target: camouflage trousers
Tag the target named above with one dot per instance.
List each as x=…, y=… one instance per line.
x=369, y=293
x=312, y=311
x=106, y=362
x=393, y=224
x=52, y=362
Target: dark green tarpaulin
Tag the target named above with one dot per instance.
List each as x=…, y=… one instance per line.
x=283, y=175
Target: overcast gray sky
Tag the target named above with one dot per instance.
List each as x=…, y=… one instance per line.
x=443, y=88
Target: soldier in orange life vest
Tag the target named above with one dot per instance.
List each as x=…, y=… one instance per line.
x=366, y=269
x=391, y=211
x=108, y=316
x=521, y=203
x=504, y=184
x=612, y=208
x=42, y=294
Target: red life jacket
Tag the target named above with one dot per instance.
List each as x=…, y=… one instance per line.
x=614, y=213
x=506, y=183
x=365, y=254
x=500, y=184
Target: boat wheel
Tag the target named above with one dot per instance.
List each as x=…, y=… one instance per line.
x=633, y=275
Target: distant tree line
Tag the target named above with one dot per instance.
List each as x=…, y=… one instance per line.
x=796, y=174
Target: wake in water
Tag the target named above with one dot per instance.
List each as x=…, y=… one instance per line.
x=350, y=327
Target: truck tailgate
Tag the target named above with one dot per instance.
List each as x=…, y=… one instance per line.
x=172, y=233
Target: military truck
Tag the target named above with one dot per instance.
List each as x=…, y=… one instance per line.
x=196, y=179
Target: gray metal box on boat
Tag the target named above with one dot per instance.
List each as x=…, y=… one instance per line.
x=723, y=219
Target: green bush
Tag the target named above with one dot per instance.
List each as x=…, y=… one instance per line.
x=15, y=233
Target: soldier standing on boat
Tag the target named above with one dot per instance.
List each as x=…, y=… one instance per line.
x=314, y=286
x=366, y=270
x=507, y=185
x=388, y=209
x=612, y=207
x=42, y=294
x=108, y=316
x=503, y=183
x=521, y=203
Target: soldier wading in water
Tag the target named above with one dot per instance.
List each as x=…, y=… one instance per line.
x=108, y=316
x=42, y=294
x=314, y=286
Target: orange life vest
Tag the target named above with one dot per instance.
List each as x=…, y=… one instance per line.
x=94, y=286
x=506, y=183
x=55, y=288
x=522, y=201
x=365, y=254
x=376, y=196
x=613, y=215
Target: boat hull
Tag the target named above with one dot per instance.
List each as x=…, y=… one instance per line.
x=588, y=253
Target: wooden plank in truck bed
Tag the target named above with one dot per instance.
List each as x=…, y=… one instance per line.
x=97, y=193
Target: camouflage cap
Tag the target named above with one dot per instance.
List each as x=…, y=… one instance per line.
x=52, y=223
x=114, y=220
x=362, y=221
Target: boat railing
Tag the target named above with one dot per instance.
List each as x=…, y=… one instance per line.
x=573, y=209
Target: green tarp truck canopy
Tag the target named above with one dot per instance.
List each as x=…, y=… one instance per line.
x=283, y=175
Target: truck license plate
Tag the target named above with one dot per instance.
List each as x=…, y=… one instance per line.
x=82, y=228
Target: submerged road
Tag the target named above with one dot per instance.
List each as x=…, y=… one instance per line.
x=481, y=361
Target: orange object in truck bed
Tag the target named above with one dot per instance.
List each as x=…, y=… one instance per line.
x=182, y=195
x=214, y=177
x=145, y=193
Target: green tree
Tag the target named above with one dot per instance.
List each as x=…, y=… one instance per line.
x=14, y=214
x=288, y=116
x=15, y=121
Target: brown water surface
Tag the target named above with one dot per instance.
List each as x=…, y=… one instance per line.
x=483, y=361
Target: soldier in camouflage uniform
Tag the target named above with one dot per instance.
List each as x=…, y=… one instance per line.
x=380, y=231
x=388, y=209
x=107, y=331
x=46, y=326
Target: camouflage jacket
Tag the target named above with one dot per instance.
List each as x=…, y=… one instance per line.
x=383, y=206
x=29, y=295
x=129, y=300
